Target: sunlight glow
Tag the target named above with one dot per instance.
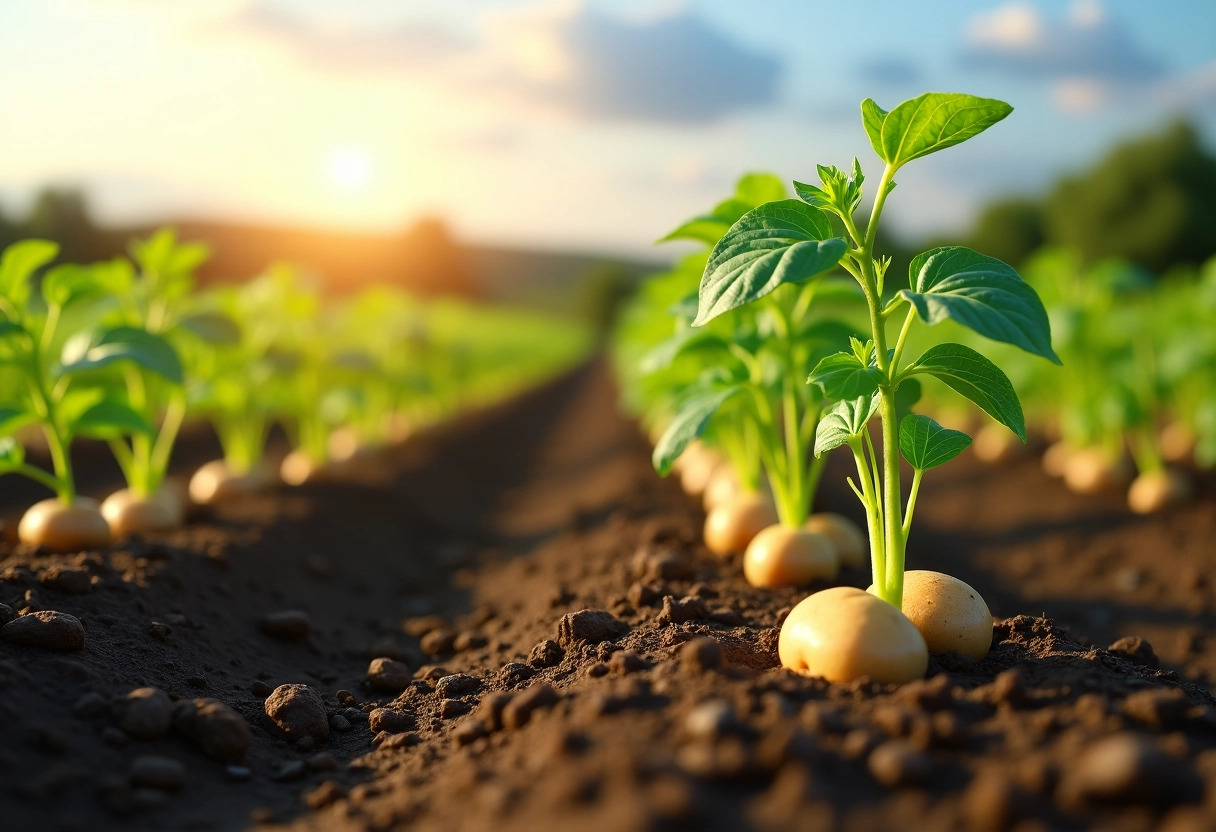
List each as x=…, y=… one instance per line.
x=349, y=168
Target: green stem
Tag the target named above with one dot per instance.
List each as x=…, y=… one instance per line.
x=869, y=499
x=39, y=476
x=916, y=478
x=162, y=450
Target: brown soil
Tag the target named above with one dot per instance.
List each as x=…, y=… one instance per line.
x=469, y=556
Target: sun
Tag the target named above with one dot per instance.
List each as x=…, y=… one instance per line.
x=349, y=168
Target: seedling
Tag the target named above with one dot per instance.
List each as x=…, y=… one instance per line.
x=795, y=242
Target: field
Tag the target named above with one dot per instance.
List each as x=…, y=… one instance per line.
x=472, y=554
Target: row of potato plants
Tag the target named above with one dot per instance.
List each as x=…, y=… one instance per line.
x=1134, y=406
x=784, y=339
x=126, y=351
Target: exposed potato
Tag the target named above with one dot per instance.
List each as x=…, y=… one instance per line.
x=850, y=541
x=63, y=528
x=215, y=482
x=697, y=471
x=843, y=634
x=784, y=556
x=128, y=514
x=343, y=444
x=1092, y=471
x=948, y=613
x=1177, y=442
x=1155, y=490
x=298, y=468
x=730, y=527
x=995, y=444
x=722, y=488
x=1055, y=459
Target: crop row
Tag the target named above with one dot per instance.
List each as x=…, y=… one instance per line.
x=126, y=351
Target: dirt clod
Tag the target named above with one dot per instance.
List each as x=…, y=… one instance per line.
x=47, y=629
x=701, y=654
x=298, y=711
x=1136, y=649
x=588, y=627
x=547, y=653
x=388, y=675
x=1125, y=768
x=677, y=611
x=390, y=721
x=145, y=713
x=517, y=712
x=218, y=730
x=288, y=625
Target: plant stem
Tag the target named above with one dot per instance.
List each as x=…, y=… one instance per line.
x=869, y=499
x=39, y=476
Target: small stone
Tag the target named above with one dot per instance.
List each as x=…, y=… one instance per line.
x=388, y=675
x=652, y=564
x=700, y=654
x=158, y=773
x=449, y=708
x=260, y=689
x=468, y=640
x=1137, y=650
x=217, y=729
x=519, y=710
x=390, y=721
x=70, y=579
x=470, y=731
x=288, y=771
x=6, y=614
x=992, y=803
x=457, y=685
x=339, y=723
x=1164, y=708
x=146, y=713
x=324, y=761
x=688, y=608
x=160, y=631
x=298, y=711
x=346, y=699
x=589, y=627
x=1128, y=769
x=547, y=653
x=642, y=594
x=711, y=720
x=438, y=642
x=47, y=629
x=597, y=670
x=288, y=625
x=895, y=764
x=89, y=706
x=626, y=661
x=515, y=673
x=490, y=709
x=1009, y=688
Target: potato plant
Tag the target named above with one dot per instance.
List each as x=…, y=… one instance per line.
x=791, y=245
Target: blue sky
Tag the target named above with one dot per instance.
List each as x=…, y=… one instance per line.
x=596, y=124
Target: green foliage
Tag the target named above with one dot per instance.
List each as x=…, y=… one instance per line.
x=925, y=444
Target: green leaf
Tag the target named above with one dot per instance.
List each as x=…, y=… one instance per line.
x=662, y=354
x=689, y=423
x=709, y=228
x=12, y=455
x=926, y=444
x=844, y=422
x=932, y=122
x=759, y=188
x=972, y=375
x=68, y=282
x=109, y=419
x=8, y=327
x=13, y=419
x=907, y=394
x=19, y=261
x=779, y=242
x=844, y=376
x=981, y=293
x=95, y=349
x=872, y=117
x=212, y=327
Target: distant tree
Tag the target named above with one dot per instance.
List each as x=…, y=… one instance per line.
x=1009, y=230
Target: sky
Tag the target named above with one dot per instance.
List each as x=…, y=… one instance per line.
x=570, y=124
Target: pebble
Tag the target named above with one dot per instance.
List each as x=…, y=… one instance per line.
x=70, y=579
x=288, y=625
x=895, y=764
x=991, y=802
x=688, y=608
x=512, y=673
x=469, y=640
x=322, y=761
x=217, y=729
x=298, y=711
x=48, y=629
x=89, y=706
x=6, y=614
x=346, y=699
x=712, y=719
x=625, y=662
x=260, y=689
x=288, y=771
x=1164, y=708
x=388, y=675
x=1125, y=768
x=390, y=721
x=339, y=723
x=702, y=653
x=490, y=709
x=450, y=708
x=547, y=653
x=1136, y=649
x=158, y=773
x=438, y=642
x=642, y=594
x=456, y=685
x=145, y=713
x=589, y=627
x=160, y=631
x=519, y=710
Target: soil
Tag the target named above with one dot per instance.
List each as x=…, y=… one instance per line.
x=556, y=648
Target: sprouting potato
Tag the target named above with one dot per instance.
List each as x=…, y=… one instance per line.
x=995, y=444
x=784, y=556
x=298, y=468
x=948, y=613
x=64, y=528
x=128, y=514
x=216, y=482
x=731, y=527
x=1055, y=459
x=698, y=470
x=848, y=538
x=1177, y=442
x=722, y=488
x=1092, y=471
x=1153, y=491
x=843, y=634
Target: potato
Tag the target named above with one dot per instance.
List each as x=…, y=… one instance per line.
x=722, y=488
x=1055, y=459
x=63, y=528
x=995, y=444
x=843, y=634
x=1153, y=491
x=1177, y=442
x=215, y=482
x=1092, y=471
x=784, y=556
x=949, y=614
x=852, y=546
x=128, y=514
x=731, y=527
